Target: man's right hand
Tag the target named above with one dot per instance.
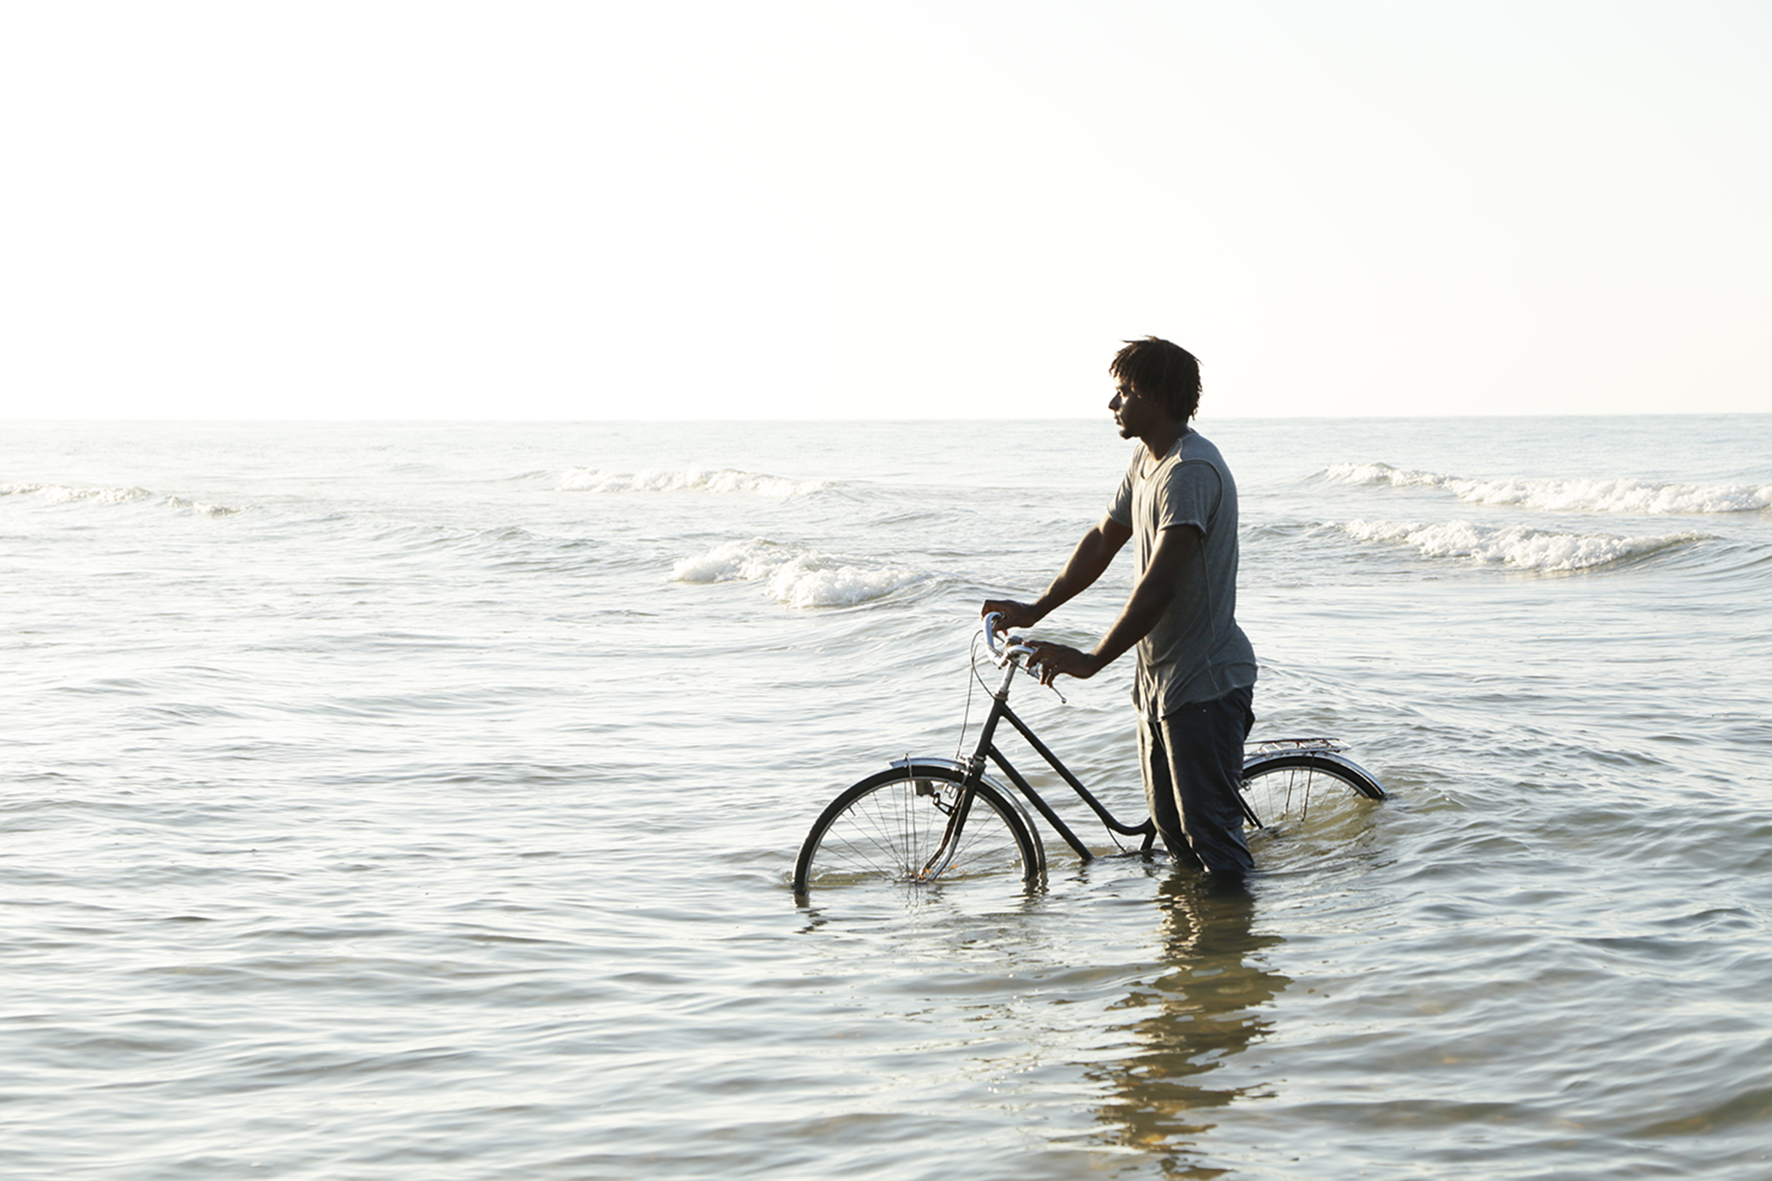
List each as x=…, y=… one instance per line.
x=1014, y=614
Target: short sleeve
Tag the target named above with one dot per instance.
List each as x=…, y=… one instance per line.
x=1189, y=495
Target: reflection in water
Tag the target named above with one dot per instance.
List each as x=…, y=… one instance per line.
x=1187, y=1022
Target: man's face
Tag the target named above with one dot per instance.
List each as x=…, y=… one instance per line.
x=1131, y=412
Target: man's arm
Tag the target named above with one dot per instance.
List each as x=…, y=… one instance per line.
x=1152, y=594
x=1087, y=562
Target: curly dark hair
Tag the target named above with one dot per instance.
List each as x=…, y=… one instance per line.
x=1159, y=369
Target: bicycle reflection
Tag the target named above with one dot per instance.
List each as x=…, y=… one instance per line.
x=1187, y=1022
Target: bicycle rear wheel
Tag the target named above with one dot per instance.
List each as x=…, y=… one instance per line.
x=1292, y=787
x=889, y=831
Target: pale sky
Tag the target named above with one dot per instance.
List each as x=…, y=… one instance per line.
x=785, y=209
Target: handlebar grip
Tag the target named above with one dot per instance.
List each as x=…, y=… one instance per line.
x=1013, y=649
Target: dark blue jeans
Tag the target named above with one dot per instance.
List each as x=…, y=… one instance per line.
x=1193, y=768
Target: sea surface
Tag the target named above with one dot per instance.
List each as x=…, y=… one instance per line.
x=420, y=801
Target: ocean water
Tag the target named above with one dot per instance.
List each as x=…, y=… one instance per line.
x=419, y=801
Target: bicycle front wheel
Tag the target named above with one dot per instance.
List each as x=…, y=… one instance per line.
x=897, y=829
x=1296, y=787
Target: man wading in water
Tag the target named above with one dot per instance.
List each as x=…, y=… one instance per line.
x=1196, y=670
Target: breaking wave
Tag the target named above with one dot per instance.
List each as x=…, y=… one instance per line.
x=66, y=494
x=1551, y=495
x=795, y=575
x=1516, y=546
x=581, y=479
x=201, y=508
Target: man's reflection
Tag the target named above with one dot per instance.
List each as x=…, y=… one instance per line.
x=1188, y=1021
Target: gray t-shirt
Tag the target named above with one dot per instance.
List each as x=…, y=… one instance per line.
x=1196, y=652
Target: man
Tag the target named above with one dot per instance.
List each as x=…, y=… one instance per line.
x=1196, y=670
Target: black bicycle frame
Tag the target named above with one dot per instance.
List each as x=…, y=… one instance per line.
x=987, y=747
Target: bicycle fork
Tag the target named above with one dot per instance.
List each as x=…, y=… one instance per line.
x=950, y=837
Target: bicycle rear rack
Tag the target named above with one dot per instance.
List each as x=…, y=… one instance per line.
x=1275, y=746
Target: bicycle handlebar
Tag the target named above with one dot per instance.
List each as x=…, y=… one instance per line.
x=1011, y=650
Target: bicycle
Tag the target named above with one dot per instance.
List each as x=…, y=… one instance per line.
x=918, y=823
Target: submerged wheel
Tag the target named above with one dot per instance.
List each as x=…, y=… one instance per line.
x=1292, y=786
x=888, y=830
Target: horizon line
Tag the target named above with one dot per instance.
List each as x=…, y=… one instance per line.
x=463, y=419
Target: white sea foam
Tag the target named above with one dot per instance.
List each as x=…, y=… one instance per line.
x=63, y=494
x=580, y=479
x=796, y=576
x=1641, y=497
x=201, y=508
x=1516, y=545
